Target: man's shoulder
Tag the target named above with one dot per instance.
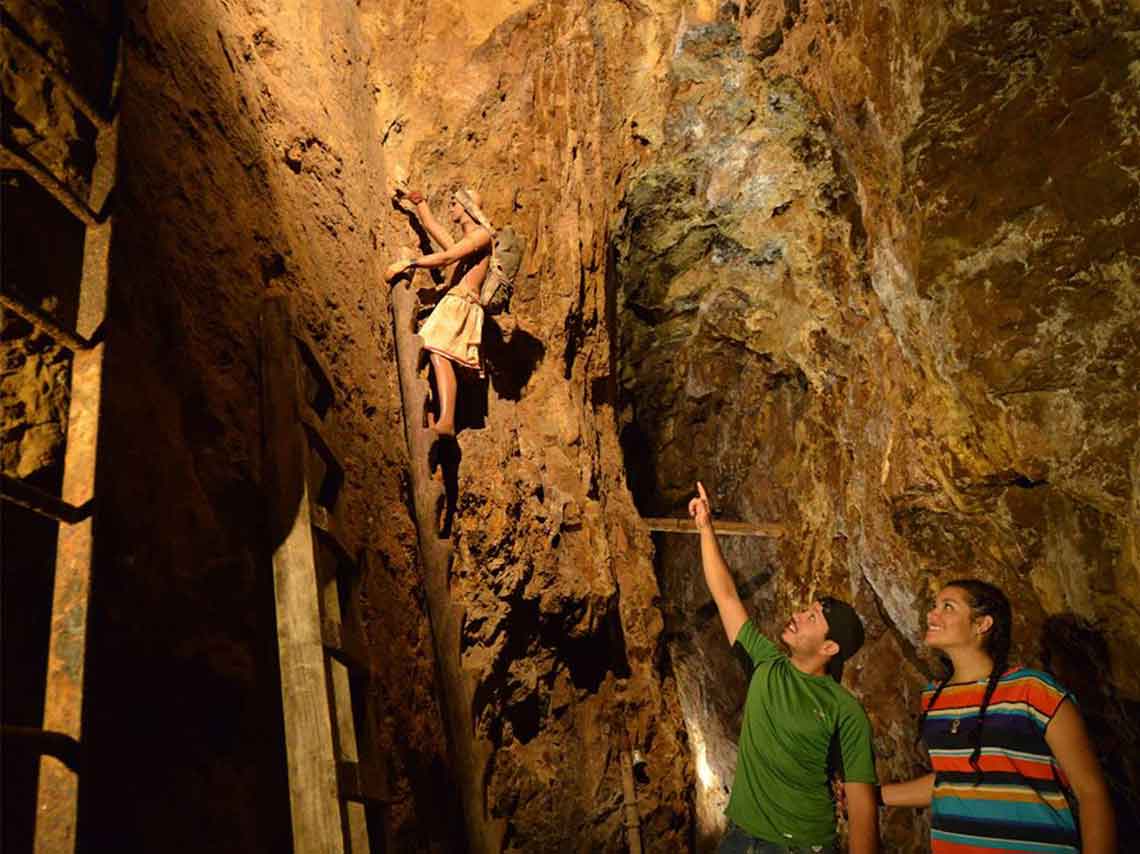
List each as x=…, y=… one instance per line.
x=846, y=702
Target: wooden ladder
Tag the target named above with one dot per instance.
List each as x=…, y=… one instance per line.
x=337, y=789
x=59, y=741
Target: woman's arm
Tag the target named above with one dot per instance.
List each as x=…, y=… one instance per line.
x=1068, y=739
x=913, y=793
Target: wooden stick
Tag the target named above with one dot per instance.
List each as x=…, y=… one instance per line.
x=729, y=529
x=629, y=797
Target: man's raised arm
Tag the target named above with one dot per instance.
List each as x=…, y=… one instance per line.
x=717, y=576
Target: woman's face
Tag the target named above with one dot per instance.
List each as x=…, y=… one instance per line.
x=950, y=622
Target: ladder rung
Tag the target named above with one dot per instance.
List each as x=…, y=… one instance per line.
x=360, y=781
x=334, y=471
x=44, y=323
x=96, y=116
x=316, y=365
x=12, y=159
x=343, y=644
x=328, y=530
x=38, y=501
x=45, y=742
x=315, y=429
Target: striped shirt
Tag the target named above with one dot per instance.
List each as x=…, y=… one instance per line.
x=1020, y=804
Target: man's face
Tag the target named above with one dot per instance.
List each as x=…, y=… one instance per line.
x=806, y=632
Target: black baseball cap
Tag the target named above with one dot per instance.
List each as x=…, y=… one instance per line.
x=845, y=628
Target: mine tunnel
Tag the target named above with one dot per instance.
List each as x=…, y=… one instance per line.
x=867, y=271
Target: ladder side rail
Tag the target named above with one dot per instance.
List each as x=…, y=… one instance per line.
x=57, y=797
x=342, y=644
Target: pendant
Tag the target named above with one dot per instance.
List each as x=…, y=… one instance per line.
x=954, y=726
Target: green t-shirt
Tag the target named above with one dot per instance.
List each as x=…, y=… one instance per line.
x=781, y=792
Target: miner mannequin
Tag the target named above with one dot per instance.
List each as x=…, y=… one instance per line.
x=453, y=332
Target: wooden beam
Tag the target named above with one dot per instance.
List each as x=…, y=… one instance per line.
x=728, y=529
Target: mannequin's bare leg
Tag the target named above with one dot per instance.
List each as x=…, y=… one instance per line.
x=446, y=384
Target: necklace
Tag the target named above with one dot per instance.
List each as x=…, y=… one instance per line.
x=954, y=725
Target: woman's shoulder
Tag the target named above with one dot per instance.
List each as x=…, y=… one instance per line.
x=1038, y=686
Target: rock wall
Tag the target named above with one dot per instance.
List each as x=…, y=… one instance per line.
x=874, y=288
x=531, y=105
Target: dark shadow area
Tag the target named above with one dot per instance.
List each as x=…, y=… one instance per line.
x=42, y=259
x=1078, y=655
x=492, y=700
x=182, y=695
x=431, y=781
x=640, y=468
x=443, y=461
x=444, y=455
x=27, y=570
x=470, y=400
x=511, y=355
x=590, y=657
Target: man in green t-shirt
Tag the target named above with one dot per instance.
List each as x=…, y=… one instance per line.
x=796, y=712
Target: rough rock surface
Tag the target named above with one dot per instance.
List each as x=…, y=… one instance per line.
x=552, y=566
x=865, y=268
x=878, y=285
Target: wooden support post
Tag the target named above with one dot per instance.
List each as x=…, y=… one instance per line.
x=471, y=753
x=728, y=529
x=629, y=798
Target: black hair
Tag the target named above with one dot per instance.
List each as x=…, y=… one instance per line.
x=986, y=600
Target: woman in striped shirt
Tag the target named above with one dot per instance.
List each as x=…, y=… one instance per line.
x=1006, y=748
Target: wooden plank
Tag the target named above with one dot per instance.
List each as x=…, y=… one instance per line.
x=355, y=822
x=313, y=789
x=728, y=529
